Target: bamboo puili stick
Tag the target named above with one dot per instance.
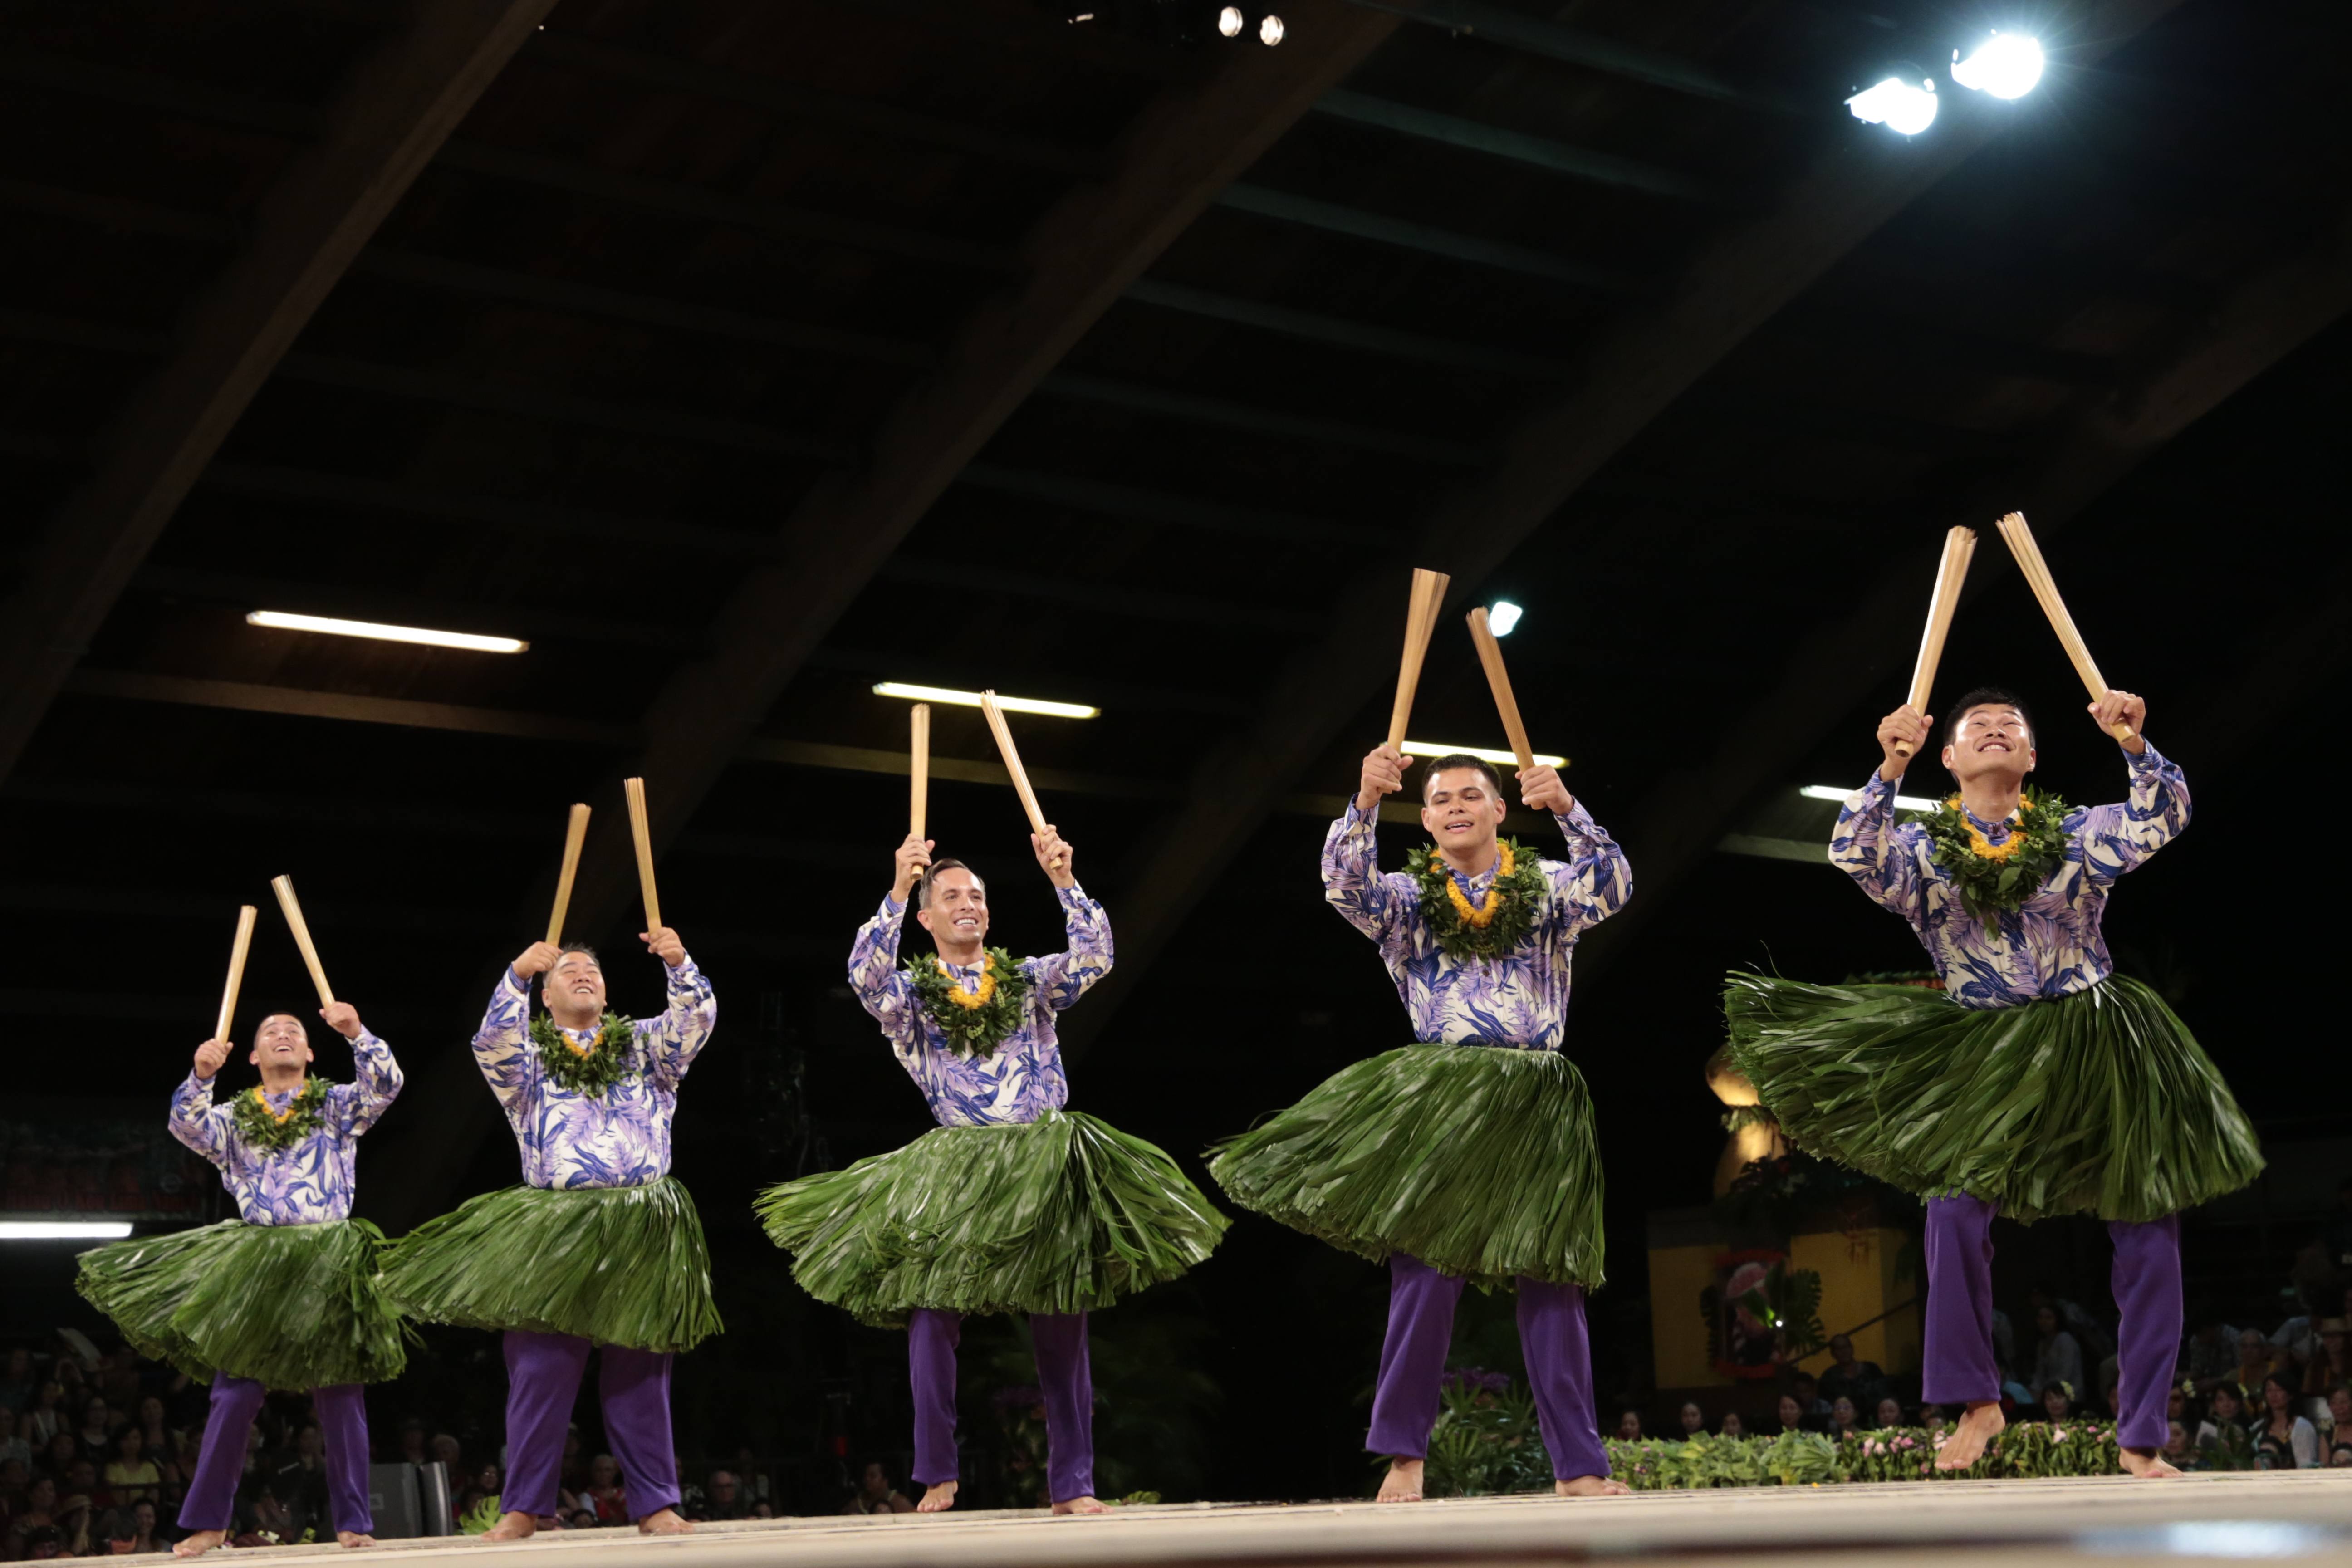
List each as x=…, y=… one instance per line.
x=2021, y=544
x=1498, y=680
x=573, y=838
x=1420, y=621
x=918, y=767
x=1011, y=756
x=237, y=952
x=641, y=829
x=284, y=887
x=1959, y=549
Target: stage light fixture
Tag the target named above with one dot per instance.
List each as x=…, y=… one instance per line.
x=1831, y=792
x=63, y=1231
x=2006, y=66
x=1426, y=750
x=971, y=700
x=1502, y=616
x=284, y=620
x=1229, y=21
x=1270, y=30
x=1900, y=105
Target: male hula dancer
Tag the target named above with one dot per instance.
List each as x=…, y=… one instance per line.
x=2037, y=1081
x=1010, y=1204
x=283, y=1297
x=1468, y=1155
x=600, y=1247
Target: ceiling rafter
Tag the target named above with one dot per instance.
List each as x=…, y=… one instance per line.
x=400, y=105
x=1493, y=140
x=1633, y=375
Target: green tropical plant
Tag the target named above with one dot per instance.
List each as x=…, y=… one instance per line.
x=478, y=1519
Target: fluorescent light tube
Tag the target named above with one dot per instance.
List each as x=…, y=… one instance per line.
x=285, y=620
x=1426, y=750
x=63, y=1231
x=1902, y=802
x=971, y=700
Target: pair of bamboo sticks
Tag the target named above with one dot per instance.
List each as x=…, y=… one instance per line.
x=918, y=769
x=284, y=888
x=1959, y=549
x=576, y=834
x=1421, y=623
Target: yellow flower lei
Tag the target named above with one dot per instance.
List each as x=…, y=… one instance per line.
x=970, y=1000
x=293, y=1104
x=1986, y=846
x=1482, y=913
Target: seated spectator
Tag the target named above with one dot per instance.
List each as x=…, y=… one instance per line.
x=2177, y=1450
x=2212, y=1356
x=2057, y=1402
x=2176, y=1405
x=2221, y=1436
x=2057, y=1355
x=46, y=1417
x=1809, y=1395
x=117, y=1534
x=604, y=1494
x=2327, y=1365
x=2283, y=1440
x=146, y=1535
x=1629, y=1426
x=1890, y=1412
x=1844, y=1420
x=1691, y=1418
x=445, y=1451
x=42, y=1543
x=413, y=1449
x=39, y=1512
x=13, y=1445
x=1731, y=1424
x=876, y=1493
x=74, y=1515
x=2339, y=1424
x=97, y=1429
x=2256, y=1358
x=131, y=1476
x=271, y=1519
x=483, y=1483
x=1860, y=1381
x=722, y=1497
x=81, y=1477
x=2088, y=1332
x=1793, y=1416
x=1931, y=1417
x=152, y=1427
x=2111, y=1402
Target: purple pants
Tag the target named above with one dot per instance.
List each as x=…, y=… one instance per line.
x=1413, y=1366
x=2145, y=1280
x=543, y=1374
x=1063, y=1374
x=220, y=1463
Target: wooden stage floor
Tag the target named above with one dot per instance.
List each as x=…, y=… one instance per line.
x=2289, y=1517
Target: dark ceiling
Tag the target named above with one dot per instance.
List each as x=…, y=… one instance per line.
x=740, y=355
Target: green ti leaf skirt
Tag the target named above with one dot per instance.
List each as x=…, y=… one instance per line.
x=291, y=1306
x=1479, y=1159
x=620, y=1265
x=1062, y=1215
x=2099, y=1102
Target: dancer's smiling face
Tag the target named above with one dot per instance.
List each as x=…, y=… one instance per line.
x=576, y=985
x=955, y=906
x=1990, y=741
x=279, y=1040
x=1462, y=808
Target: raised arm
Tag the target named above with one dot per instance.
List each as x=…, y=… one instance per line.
x=501, y=1045
x=1596, y=880
x=2116, y=839
x=1352, y=869
x=873, y=974
x=1062, y=978
x=375, y=1077
x=670, y=1043
x=1869, y=846
x=193, y=1120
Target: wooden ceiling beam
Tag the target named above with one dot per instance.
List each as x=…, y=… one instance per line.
x=1358, y=337
x=1570, y=45
x=397, y=110
x=1426, y=239
x=1630, y=377
x=1493, y=140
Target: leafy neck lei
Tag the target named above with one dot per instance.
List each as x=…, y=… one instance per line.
x=588, y=1069
x=978, y=1021
x=1494, y=925
x=1994, y=878
x=270, y=1130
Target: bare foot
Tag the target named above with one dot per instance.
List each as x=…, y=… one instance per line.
x=512, y=1527
x=197, y=1545
x=1402, y=1483
x=353, y=1538
x=1082, y=1505
x=665, y=1522
x=1590, y=1485
x=938, y=1497
x=2148, y=1464
x=1966, y=1444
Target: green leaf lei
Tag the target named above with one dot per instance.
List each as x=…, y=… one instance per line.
x=1992, y=881
x=605, y=1062
x=1519, y=892
x=261, y=1128
x=971, y=1031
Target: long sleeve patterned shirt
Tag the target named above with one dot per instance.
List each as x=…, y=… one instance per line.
x=1518, y=998
x=2049, y=946
x=308, y=1182
x=619, y=1138
x=1022, y=1079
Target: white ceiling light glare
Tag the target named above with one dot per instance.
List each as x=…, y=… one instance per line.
x=1422, y=750
x=1269, y=31
x=1902, y=802
x=63, y=1231
x=2006, y=66
x=1502, y=616
x=472, y=642
x=1051, y=710
x=1901, y=106
x=1229, y=21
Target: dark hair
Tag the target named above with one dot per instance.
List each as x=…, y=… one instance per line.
x=1986, y=697
x=574, y=947
x=1436, y=765
x=923, y=888
x=299, y=1022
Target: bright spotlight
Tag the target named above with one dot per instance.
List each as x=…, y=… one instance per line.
x=2008, y=67
x=1502, y=616
x=1898, y=105
x=1270, y=30
x=1229, y=21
